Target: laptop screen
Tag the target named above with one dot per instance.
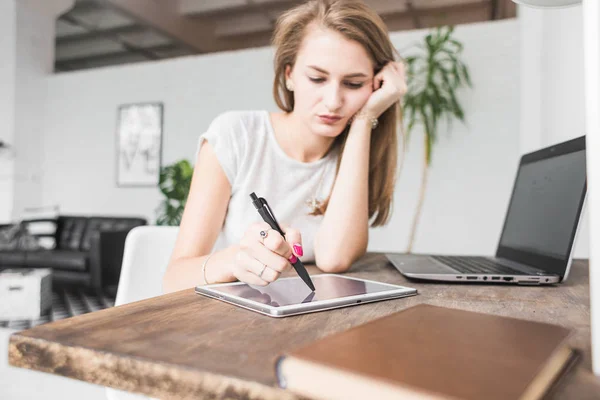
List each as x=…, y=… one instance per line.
x=545, y=207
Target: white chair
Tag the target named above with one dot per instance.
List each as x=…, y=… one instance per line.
x=145, y=259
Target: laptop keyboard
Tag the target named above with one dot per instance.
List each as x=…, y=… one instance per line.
x=476, y=265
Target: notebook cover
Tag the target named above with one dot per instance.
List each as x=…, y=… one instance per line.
x=443, y=351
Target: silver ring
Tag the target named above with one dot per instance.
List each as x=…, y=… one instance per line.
x=263, y=235
x=263, y=270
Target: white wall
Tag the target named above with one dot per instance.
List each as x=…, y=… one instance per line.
x=471, y=176
x=79, y=145
x=563, y=88
x=27, y=46
x=7, y=103
x=591, y=24
x=521, y=101
x=473, y=166
x=552, y=87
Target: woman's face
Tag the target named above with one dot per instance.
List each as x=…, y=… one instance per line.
x=332, y=80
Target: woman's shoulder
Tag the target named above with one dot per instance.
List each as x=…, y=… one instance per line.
x=240, y=119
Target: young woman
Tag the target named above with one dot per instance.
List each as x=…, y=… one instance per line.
x=326, y=164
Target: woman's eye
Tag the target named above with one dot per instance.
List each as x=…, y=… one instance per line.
x=351, y=85
x=354, y=85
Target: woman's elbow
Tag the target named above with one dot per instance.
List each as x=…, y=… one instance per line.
x=334, y=265
x=338, y=261
x=168, y=285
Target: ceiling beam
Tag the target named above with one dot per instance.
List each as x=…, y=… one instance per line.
x=114, y=59
x=466, y=12
x=387, y=6
x=75, y=50
x=203, y=8
x=409, y=15
x=212, y=30
x=504, y=9
x=164, y=16
x=429, y=4
x=413, y=14
x=250, y=22
x=246, y=41
x=115, y=55
x=399, y=22
x=100, y=33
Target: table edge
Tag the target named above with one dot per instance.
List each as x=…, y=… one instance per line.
x=156, y=379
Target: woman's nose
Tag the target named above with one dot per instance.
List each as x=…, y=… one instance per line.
x=333, y=98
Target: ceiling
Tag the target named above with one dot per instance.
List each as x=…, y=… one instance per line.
x=96, y=33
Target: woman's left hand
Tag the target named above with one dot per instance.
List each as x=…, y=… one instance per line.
x=389, y=85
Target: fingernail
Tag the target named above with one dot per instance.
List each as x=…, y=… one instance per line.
x=298, y=249
x=293, y=259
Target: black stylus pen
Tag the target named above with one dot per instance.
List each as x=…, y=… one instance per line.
x=267, y=215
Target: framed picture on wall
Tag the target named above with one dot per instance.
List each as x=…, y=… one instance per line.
x=139, y=144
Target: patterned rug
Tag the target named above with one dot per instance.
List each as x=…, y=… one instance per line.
x=65, y=303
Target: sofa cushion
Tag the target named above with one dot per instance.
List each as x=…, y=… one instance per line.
x=70, y=232
x=62, y=259
x=9, y=236
x=12, y=258
x=41, y=222
x=75, y=278
x=110, y=224
x=43, y=230
x=16, y=237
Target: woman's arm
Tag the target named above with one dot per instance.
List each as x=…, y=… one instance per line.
x=200, y=226
x=344, y=231
x=254, y=260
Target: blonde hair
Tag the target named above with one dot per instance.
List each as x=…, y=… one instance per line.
x=355, y=21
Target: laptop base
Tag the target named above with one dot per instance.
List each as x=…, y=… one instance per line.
x=424, y=267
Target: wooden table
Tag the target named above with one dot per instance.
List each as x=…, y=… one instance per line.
x=183, y=345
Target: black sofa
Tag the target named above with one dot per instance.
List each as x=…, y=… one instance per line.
x=88, y=252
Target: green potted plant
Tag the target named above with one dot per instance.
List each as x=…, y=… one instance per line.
x=174, y=183
x=434, y=75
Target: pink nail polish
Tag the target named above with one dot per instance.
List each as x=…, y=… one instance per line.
x=293, y=259
x=298, y=249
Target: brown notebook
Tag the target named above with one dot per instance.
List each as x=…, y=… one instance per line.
x=428, y=352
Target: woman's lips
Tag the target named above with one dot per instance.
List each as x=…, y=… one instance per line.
x=329, y=119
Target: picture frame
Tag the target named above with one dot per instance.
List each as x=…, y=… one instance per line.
x=139, y=144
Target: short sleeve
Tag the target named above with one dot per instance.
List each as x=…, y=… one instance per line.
x=224, y=136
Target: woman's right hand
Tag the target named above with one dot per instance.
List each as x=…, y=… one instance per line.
x=261, y=260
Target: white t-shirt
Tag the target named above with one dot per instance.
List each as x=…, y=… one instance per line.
x=253, y=161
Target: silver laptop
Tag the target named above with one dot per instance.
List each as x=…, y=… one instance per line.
x=540, y=227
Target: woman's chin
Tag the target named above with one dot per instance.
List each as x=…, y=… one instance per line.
x=327, y=130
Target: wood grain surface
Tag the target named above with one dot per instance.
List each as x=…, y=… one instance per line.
x=183, y=345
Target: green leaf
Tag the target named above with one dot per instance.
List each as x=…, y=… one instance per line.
x=435, y=74
x=174, y=183
x=466, y=75
x=458, y=45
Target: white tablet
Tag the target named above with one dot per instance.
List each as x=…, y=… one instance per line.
x=291, y=296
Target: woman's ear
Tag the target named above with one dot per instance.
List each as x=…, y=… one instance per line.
x=288, y=80
x=288, y=72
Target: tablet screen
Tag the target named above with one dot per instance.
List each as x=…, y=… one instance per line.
x=285, y=292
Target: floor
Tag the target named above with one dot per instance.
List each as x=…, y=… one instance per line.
x=66, y=302
x=18, y=383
